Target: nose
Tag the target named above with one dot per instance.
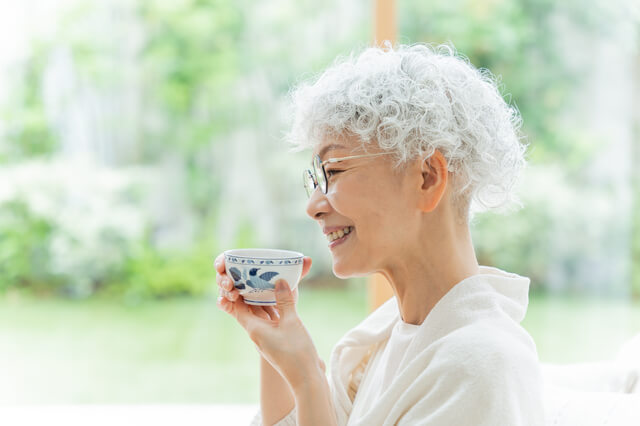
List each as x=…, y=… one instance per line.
x=318, y=205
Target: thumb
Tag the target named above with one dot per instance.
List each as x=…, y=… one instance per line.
x=285, y=302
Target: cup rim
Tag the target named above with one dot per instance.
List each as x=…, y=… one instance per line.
x=283, y=254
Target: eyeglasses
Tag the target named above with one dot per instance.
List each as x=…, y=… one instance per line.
x=317, y=176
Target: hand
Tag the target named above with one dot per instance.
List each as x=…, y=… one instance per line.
x=278, y=332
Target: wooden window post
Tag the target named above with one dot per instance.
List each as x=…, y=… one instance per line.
x=379, y=290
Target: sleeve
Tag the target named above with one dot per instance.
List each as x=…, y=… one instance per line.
x=288, y=420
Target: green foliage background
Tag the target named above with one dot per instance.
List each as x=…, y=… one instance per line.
x=191, y=59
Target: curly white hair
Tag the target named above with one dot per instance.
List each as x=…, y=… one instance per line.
x=412, y=100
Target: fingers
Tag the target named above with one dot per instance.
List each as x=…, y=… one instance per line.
x=260, y=312
x=230, y=307
x=219, y=264
x=306, y=265
x=246, y=316
x=224, y=304
x=235, y=308
x=227, y=289
x=273, y=312
x=268, y=313
x=285, y=299
x=223, y=281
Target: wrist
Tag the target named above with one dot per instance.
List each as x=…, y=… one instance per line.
x=310, y=377
x=311, y=390
x=313, y=401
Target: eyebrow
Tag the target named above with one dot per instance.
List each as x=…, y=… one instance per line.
x=324, y=150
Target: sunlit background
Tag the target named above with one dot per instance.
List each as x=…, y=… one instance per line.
x=139, y=139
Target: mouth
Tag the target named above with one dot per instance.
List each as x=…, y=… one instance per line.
x=339, y=236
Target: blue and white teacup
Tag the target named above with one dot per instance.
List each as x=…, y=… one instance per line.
x=255, y=272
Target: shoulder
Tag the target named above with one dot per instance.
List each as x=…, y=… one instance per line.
x=490, y=351
x=488, y=370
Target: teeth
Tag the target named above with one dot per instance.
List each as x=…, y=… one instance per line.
x=339, y=233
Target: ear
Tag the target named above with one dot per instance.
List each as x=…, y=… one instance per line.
x=434, y=181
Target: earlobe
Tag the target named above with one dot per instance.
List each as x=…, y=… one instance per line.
x=435, y=174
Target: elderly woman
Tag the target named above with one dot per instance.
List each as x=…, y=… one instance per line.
x=408, y=143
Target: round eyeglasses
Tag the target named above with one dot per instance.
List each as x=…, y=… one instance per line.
x=317, y=176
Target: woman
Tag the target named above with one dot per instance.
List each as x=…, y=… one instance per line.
x=407, y=143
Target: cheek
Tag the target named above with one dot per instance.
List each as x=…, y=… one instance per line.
x=389, y=218
x=375, y=218
x=374, y=206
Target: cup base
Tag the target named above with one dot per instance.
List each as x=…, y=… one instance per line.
x=260, y=302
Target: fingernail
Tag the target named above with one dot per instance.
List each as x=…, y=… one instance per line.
x=280, y=286
x=225, y=283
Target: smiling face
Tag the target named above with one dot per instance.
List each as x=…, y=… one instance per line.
x=377, y=206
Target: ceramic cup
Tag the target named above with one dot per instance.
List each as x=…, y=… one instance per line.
x=255, y=272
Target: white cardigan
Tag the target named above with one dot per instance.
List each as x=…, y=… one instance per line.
x=470, y=363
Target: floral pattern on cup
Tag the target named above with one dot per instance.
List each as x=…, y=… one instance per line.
x=249, y=277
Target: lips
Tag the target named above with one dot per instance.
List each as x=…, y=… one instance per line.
x=339, y=233
x=328, y=229
x=339, y=240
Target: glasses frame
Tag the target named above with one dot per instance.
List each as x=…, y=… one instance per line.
x=311, y=176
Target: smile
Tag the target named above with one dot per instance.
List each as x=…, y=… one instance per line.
x=332, y=236
x=339, y=236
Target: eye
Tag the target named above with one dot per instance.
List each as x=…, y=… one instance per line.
x=332, y=172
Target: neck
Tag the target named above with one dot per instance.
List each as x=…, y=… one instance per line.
x=422, y=275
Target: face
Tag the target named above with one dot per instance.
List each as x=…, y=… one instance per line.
x=376, y=204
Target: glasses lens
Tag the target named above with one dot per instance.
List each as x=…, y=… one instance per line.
x=319, y=171
x=309, y=182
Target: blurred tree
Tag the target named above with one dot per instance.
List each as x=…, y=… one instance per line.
x=516, y=40
x=635, y=183
x=174, y=85
x=199, y=85
x=24, y=246
x=190, y=57
x=27, y=133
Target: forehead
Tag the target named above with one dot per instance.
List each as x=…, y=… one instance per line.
x=324, y=149
x=332, y=142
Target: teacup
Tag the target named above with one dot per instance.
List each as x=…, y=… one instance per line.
x=255, y=272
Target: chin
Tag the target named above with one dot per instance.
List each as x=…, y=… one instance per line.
x=341, y=271
x=345, y=276
x=344, y=271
